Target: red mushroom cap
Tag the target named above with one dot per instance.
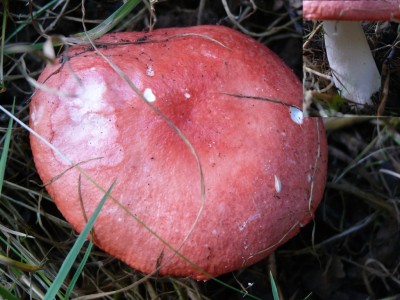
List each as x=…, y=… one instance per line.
x=361, y=10
x=264, y=169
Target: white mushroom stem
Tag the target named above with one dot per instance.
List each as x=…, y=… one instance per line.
x=354, y=71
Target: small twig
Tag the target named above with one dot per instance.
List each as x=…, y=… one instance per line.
x=385, y=89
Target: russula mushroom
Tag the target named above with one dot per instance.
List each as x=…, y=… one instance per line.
x=263, y=166
x=354, y=70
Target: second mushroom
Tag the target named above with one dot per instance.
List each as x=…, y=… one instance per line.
x=354, y=70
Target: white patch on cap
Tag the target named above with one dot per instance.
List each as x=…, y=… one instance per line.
x=148, y=95
x=296, y=115
x=37, y=114
x=278, y=184
x=88, y=99
x=85, y=128
x=187, y=95
x=149, y=71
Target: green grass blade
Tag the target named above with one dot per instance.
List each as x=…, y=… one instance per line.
x=5, y=294
x=30, y=19
x=275, y=292
x=79, y=270
x=70, y=259
x=110, y=22
x=101, y=29
x=6, y=146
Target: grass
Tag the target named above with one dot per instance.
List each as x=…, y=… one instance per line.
x=6, y=147
x=356, y=245
x=73, y=254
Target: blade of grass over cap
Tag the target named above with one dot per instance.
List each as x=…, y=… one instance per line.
x=109, y=23
x=72, y=255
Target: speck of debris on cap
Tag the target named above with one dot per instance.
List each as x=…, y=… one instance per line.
x=296, y=115
x=149, y=95
x=278, y=184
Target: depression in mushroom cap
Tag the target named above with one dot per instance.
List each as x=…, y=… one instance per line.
x=199, y=154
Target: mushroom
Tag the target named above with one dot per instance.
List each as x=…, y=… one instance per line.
x=214, y=165
x=354, y=71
